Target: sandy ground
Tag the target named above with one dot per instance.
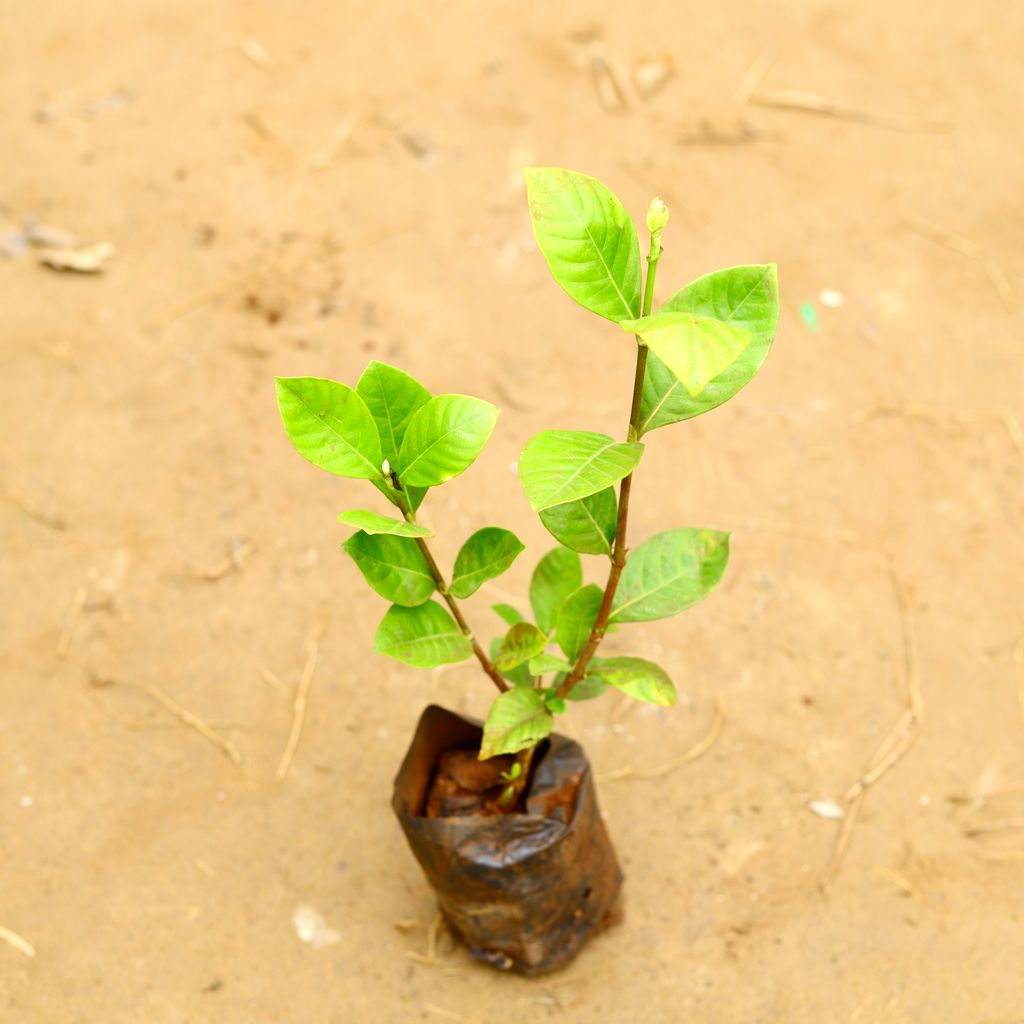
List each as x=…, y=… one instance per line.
x=296, y=188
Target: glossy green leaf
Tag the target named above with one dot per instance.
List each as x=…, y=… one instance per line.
x=330, y=425
x=518, y=719
x=522, y=642
x=558, y=574
x=425, y=636
x=507, y=613
x=638, y=678
x=747, y=297
x=587, y=524
x=392, y=398
x=487, y=554
x=576, y=619
x=588, y=688
x=541, y=664
x=443, y=439
x=373, y=522
x=558, y=466
x=394, y=566
x=588, y=240
x=668, y=573
x=695, y=348
x=555, y=704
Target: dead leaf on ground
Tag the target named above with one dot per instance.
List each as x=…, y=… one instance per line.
x=89, y=259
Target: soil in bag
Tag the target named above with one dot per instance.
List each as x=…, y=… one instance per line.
x=524, y=890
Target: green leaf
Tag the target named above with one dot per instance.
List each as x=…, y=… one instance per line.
x=558, y=574
x=522, y=642
x=425, y=637
x=392, y=398
x=695, y=348
x=588, y=688
x=373, y=522
x=558, y=466
x=520, y=675
x=443, y=438
x=394, y=566
x=587, y=524
x=576, y=619
x=588, y=240
x=507, y=613
x=329, y=425
x=541, y=664
x=747, y=297
x=488, y=553
x=669, y=573
x=518, y=719
x=556, y=705
x=638, y=678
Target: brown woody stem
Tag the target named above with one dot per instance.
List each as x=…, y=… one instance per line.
x=618, y=553
x=453, y=606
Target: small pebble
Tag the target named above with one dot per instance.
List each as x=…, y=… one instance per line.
x=826, y=809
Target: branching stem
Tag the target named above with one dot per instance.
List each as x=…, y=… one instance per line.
x=442, y=586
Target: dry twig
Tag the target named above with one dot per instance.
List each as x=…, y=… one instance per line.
x=644, y=774
x=14, y=940
x=966, y=247
x=707, y=133
x=897, y=743
x=311, y=648
x=255, y=51
x=901, y=882
x=610, y=80
x=842, y=841
x=48, y=518
x=753, y=75
x=813, y=103
x=1003, y=825
x=68, y=632
x=445, y=967
x=183, y=714
x=433, y=933
x=339, y=138
x=189, y=305
x=273, y=682
x=238, y=552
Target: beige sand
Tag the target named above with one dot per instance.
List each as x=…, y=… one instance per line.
x=296, y=188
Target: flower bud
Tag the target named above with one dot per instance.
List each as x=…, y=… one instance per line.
x=657, y=216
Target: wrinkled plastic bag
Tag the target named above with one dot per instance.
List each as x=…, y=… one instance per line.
x=523, y=891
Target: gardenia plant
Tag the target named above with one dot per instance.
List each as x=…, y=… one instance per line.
x=694, y=353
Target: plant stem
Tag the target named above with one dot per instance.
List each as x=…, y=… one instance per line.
x=449, y=599
x=633, y=434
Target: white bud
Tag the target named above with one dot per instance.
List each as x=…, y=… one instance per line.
x=386, y=468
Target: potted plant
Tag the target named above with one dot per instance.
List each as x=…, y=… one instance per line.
x=502, y=816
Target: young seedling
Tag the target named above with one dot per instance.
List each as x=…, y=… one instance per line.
x=695, y=352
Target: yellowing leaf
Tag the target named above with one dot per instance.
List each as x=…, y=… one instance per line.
x=518, y=719
x=695, y=348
